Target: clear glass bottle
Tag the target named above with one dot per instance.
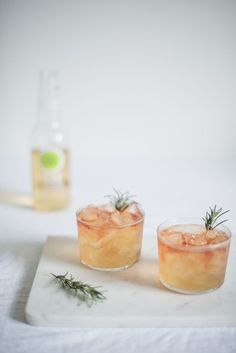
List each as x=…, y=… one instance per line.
x=50, y=156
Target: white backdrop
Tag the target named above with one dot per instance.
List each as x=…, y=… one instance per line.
x=137, y=77
x=142, y=82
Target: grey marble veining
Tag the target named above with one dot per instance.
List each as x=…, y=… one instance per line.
x=135, y=297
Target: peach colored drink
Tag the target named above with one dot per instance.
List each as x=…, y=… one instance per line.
x=191, y=259
x=110, y=239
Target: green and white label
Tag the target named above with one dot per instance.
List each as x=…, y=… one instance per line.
x=52, y=160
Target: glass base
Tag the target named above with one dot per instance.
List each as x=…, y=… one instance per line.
x=108, y=269
x=183, y=291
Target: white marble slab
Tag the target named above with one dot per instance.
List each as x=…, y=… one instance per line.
x=135, y=297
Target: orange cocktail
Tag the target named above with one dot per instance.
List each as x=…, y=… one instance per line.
x=191, y=258
x=110, y=239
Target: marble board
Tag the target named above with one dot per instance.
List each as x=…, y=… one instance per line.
x=135, y=297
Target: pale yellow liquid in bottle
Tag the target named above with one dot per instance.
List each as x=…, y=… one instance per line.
x=50, y=187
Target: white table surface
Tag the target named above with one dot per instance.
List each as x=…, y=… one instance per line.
x=166, y=190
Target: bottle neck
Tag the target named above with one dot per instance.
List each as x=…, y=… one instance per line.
x=49, y=109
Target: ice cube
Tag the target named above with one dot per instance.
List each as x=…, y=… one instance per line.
x=127, y=218
x=104, y=216
x=176, y=239
x=108, y=207
x=187, y=228
x=216, y=236
x=195, y=239
x=116, y=218
x=105, y=238
x=104, y=213
x=134, y=209
x=89, y=214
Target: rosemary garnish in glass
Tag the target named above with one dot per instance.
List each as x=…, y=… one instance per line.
x=212, y=216
x=121, y=200
x=84, y=291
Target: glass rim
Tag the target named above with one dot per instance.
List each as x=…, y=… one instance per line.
x=187, y=220
x=104, y=226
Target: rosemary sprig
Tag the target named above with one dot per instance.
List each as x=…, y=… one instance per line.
x=120, y=200
x=212, y=216
x=85, y=291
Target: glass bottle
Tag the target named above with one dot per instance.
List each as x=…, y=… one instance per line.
x=50, y=157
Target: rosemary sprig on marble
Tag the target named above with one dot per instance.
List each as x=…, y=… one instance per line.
x=85, y=291
x=212, y=216
x=120, y=200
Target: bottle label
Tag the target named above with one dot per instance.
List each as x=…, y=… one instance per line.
x=53, y=159
x=52, y=163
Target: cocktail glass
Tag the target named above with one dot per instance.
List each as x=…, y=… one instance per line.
x=192, y=259
x=110, y=240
